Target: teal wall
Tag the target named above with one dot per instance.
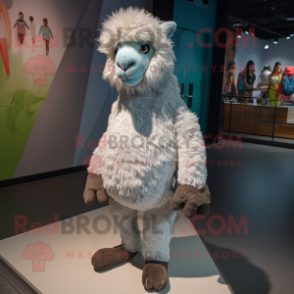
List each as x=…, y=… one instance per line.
x=193, y=17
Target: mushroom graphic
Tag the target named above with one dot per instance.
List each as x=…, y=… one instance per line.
x=39, y=253
x=40, y=67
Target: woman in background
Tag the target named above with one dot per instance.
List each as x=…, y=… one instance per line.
x=248, y=79
x=21, y=24
x=230, y=87
x=5, y=23
x=275, y=79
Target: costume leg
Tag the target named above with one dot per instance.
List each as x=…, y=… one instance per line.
x=157, y=228
x=126, y=221
x=3, y=51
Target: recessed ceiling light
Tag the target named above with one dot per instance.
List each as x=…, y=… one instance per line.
x=266, y=46
x=276, y=41
x=288, y=38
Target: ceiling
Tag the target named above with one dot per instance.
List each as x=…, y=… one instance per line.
x=269, y=18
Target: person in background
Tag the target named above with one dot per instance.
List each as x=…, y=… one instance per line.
x=274, y=81
x=21, y=24
x=5, y=23
x=46, y=33
x=286, y=87
x=230, y=87
x=248, y=79
x=263, y=81
x=32, y=30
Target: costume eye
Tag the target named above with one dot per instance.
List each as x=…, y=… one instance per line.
x=145, y=48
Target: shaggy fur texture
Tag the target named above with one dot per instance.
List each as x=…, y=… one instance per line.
x=150, y=134
x=159, y=134
x=157, y=228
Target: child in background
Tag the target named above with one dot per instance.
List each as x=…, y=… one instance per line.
x=32, y=30
x=21, y=24
x=46, y=33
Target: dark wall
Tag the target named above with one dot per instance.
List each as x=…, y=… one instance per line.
x=164, y=9
x=217, y=77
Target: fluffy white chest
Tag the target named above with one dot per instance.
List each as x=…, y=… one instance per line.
x=140, y=158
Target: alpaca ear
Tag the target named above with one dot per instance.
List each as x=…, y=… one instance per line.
x=168, y=28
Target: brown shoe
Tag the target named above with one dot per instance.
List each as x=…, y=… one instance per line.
x=155, y=275
x=107, y=258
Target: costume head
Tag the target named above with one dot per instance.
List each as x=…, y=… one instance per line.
x=138, y=48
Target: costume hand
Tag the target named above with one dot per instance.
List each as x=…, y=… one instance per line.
x=94, y=188
x=192, y=200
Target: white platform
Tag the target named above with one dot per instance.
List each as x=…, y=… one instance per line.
x=71, y=271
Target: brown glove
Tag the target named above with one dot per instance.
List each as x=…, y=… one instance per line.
x=94, y=188
x=193, y=201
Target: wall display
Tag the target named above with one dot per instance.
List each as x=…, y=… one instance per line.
x=45, y=82
x=51, y=117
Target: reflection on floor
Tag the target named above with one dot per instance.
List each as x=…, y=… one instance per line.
x=56, y=258
x=253, y=183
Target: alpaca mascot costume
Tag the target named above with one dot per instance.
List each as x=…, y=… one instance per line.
x=151, y=134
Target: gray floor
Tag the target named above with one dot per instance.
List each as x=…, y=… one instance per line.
x=259, y=189
x=262, y=190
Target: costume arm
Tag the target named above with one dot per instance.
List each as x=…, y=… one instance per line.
x=6, y=19
x=94, y=185
x=40, y=31
x=96, y=162
x=192, y=195
x=191, y=149
x=16, y=23
x=26, y=25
